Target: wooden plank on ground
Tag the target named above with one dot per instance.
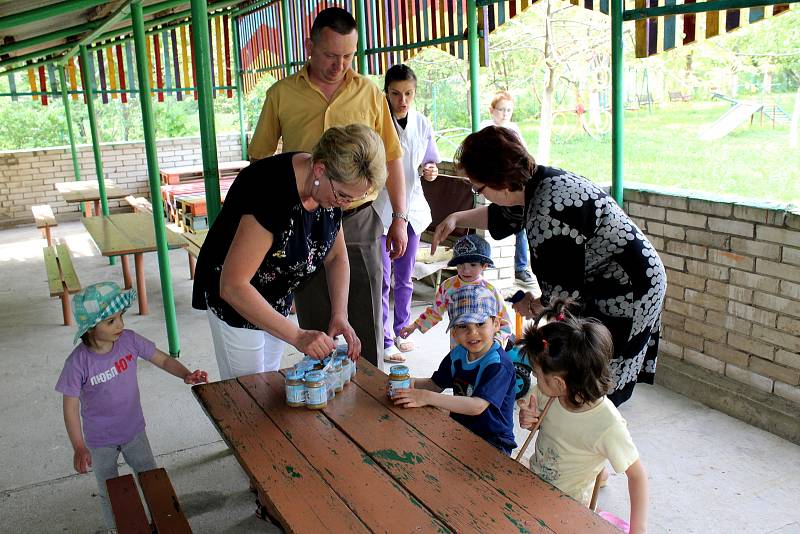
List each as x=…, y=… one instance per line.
x=68, y=273
x=129, y=515
x=386, y=506
x=53, y=273
x=299, y=499
x=512, y=479
x=165, y=510
x=425, y=470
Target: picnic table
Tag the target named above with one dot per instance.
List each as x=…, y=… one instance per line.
x=176, y=175
x=185, y=203
x=129, y=233
x=363, y=465
x=88, y=191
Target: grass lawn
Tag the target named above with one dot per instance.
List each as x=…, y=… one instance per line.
x=662, y=149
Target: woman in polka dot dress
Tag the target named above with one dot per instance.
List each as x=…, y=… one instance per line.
x=582, y=246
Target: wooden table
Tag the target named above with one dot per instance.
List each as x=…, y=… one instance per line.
x=363, y=465
x=176, y=175
x=129, y=233
x=88, y=191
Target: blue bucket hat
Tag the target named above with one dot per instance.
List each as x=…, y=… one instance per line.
x=471, y=249
x=471, y=304
x=97, y=303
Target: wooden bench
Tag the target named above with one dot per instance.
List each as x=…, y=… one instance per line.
x=677, y=96
x=44, y=218
x=165, y=510
x=139, y=204
x=61, y=277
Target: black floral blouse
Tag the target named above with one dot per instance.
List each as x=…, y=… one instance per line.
x=301, y=239
x=584, y=246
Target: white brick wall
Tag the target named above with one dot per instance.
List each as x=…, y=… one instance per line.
x=27, y=176
x=733, y=297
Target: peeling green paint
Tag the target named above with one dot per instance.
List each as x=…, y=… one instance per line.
x=407, y=457
x=431, y=478
x=384, y=417
x=288, y=434
x=517, y=524
x=333, y=451
x=292, y=472
x=367, y=459
x=509, y=506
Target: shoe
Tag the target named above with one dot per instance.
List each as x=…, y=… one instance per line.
x=524, y=276
x=403, y=344
x=392, y=354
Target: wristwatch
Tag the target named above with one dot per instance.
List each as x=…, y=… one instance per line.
x=403, y=216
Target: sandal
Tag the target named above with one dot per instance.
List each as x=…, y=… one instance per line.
x=392, y=354
x=403, y=344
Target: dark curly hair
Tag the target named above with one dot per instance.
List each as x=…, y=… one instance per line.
x=496, y=158
x=577, y=349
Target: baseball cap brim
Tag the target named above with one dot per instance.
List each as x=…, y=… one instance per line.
x=469, y=318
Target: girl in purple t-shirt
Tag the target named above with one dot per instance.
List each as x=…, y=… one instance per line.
x=101, y=391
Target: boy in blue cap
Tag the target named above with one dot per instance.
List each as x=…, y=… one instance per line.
x=471, y=256
x=478, y=369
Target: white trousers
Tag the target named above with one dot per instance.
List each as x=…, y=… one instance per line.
x=242, y=351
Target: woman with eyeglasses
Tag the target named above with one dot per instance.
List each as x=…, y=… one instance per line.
x=281, y=221
x=582, y=246
x=419, y=154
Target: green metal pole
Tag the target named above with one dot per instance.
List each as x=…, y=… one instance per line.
x=62, y=79
x=88, y=80
x=361, y=22
x=208, y=133
x=616, y=101
x=287, y=36
x=472, y=47
x=148, y=126
x=237, y=73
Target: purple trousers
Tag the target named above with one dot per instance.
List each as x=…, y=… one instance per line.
x=403, y=286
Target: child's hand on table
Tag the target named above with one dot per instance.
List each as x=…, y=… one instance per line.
x=197, y=377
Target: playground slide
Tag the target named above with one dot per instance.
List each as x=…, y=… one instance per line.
x=732, y=118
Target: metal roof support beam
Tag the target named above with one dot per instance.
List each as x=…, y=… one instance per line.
x=52, y=10
x=115, y=17
x=205, y=92
x=148, y=127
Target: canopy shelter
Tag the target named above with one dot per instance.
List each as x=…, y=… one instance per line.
x=206, y=49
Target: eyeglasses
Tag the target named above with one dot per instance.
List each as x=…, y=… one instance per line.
x=344, y=198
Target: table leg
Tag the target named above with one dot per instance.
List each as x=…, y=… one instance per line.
x=126, y=271
x=88, y=209
x=140, y=287
x=191, y=266
x=97, y=207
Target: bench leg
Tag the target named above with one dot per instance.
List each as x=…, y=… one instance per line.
x=66, y=307
x=191, y=266
x=126, y=271
x=47, y=235
x=140, y=286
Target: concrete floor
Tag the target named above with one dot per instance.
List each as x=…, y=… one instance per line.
x=708, y=472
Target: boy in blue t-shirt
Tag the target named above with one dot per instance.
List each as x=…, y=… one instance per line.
x=478, y=369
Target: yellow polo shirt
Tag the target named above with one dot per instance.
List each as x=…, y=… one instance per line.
x=296, y=110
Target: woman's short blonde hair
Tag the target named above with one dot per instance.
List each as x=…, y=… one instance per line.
x=352, y=154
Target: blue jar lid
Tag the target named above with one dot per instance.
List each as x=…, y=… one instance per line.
x=295, y=374
x=304, y=365
x=314, y=376
x=341, y=348
x=398, y=370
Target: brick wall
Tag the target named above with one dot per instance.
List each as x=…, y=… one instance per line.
x=27, y=176
x=733, y=296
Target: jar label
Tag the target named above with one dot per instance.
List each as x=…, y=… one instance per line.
x=398, y=384
x=318, y=395
x=295, y=394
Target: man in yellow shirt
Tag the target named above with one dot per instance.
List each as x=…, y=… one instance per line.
x=324, y=93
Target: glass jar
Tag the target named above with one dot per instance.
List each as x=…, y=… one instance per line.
x=295, y=389
x=316, y=390
x=344, y=361
x=336, y=368
x=399, y=378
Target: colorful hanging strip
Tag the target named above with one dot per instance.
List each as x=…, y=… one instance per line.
x=112, y=73
x=149, y=64
x=51, y=75
x=43, y=85
x=73, y=79
x=167, y=62
x=32, y=84
x=159, y=76
x=194, y=68
x=173, y=37
x=101, y=73
x=228, y=66
x=220, y=63
x=121, y=68
x=185, y=60
x=12, y=87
